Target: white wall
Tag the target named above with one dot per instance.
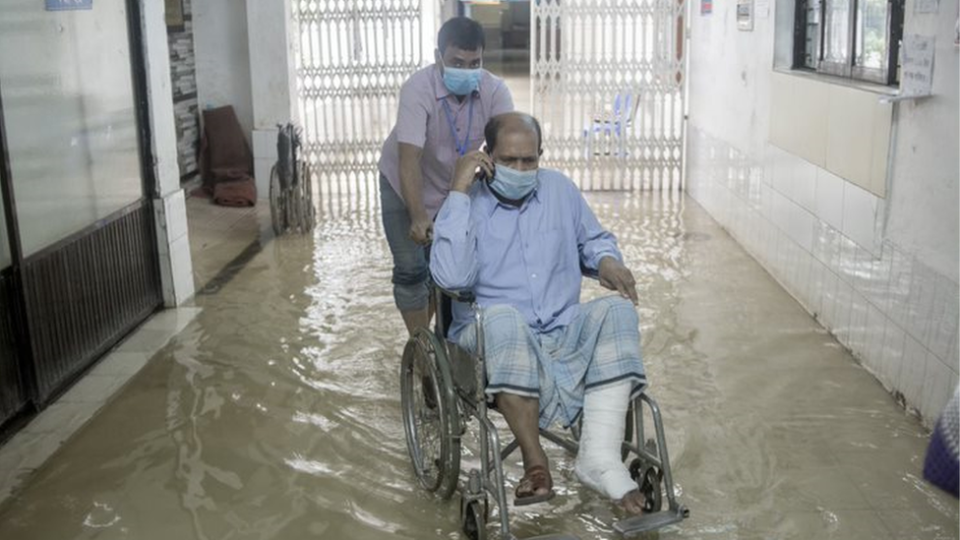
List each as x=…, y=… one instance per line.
x=223, y=57
x=173, y=241
x=272, y=46
x=880, y=273
x=923, y=208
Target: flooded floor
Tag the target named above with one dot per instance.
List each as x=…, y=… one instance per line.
x=275, y=414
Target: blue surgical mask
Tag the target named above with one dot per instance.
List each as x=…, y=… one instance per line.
x=513, y=184
x=461, y=81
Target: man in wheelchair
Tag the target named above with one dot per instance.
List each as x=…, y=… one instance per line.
x=520, y=238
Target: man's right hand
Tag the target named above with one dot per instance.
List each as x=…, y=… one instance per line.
x=421, y=231
x=466, y=170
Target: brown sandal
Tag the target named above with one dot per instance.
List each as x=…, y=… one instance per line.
x=534, y=479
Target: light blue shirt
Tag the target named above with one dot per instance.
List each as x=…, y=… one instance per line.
x=531, y=257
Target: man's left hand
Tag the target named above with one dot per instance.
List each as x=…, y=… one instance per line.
x=617, y=277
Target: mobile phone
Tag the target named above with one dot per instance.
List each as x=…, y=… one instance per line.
x=482, y=174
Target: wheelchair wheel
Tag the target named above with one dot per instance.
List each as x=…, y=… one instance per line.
x=474, y=520
x=430, y=416
x=650, y=482
x=276, y=206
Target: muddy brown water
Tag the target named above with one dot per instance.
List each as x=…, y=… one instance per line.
x=275, y=414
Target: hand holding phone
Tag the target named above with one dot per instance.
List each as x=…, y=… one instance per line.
x=470, y=168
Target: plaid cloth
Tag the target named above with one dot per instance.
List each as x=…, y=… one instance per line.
x=942, y=464
x=600, y=347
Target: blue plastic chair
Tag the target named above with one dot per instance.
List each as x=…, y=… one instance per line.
x=621, y=117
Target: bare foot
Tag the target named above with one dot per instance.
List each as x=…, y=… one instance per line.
x=633, y=502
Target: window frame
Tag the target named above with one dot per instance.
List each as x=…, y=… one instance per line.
x=849, y=69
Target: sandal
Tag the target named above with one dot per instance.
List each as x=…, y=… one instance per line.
x=534, y=479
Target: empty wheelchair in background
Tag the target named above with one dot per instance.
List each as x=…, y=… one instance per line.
x=442, y=393
x=291, y=192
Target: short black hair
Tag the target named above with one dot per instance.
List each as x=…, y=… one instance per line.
x=492, y=129
x=461, y=32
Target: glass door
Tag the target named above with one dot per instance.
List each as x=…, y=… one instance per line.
x=70, y=96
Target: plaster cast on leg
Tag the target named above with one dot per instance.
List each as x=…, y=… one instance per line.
x=598, y=460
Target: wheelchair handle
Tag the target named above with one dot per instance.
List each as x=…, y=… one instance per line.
x=467, y=297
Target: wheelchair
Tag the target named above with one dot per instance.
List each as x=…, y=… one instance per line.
x=442, y=391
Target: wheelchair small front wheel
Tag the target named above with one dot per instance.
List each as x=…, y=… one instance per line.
x=474, y=518
x=430, y=414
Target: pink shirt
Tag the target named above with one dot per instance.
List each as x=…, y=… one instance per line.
x=422, y=122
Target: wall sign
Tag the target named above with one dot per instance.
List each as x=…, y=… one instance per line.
x=745, y=15
x=926, y=6
x=956, y=40
x=916, y=71
x=68, y=5
x=761, y=9
x=706, y=7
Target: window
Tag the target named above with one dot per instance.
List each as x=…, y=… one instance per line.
x=859, y=39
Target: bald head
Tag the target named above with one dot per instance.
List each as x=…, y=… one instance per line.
x=511, y=124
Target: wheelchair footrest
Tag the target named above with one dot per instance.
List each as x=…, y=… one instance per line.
x=554, y=537
x=646, y=523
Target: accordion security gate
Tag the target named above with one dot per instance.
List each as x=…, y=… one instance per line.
x=352, y=59
x=607, y=82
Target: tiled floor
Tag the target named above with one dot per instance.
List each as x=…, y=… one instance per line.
x=220, y=234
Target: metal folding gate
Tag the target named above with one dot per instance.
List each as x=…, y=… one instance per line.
x=607, y=82
x=352, y=59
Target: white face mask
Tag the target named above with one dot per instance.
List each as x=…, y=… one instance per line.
x=513, y=184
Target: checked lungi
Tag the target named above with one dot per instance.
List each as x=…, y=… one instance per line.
x=601, y=346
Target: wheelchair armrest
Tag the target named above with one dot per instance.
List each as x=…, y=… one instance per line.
x=467, y=297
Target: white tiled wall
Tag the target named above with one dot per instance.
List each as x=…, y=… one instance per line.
x=173, y=247
x=264, y=157
x=822, y=238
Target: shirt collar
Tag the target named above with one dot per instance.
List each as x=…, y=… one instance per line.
x=441, y=90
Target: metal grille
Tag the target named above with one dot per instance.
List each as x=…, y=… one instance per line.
x=86, y=294
x=12, y=394
x=607, y=85
x=352, y=58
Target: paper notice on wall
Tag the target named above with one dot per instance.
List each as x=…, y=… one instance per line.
x=68, y=5
x=916, y=71
x=745, y=15
x=956, y=30
x=761, y=8
x=926, y=6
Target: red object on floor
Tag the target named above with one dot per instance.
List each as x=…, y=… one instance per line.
x=242, y=192
x=227, y=160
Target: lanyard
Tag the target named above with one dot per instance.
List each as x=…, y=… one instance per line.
x=461, y=147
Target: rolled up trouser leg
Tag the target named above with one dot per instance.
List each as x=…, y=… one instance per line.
x=411, y=271
x=598, y=461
